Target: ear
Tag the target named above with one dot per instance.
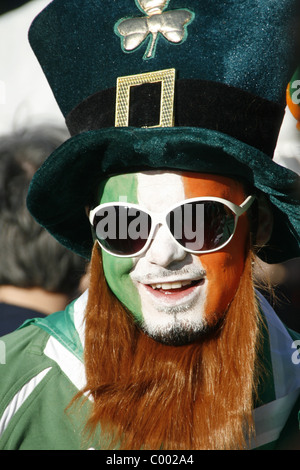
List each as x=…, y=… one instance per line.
x=265, y=221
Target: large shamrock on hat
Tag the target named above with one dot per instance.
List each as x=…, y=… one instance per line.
x=170, y=24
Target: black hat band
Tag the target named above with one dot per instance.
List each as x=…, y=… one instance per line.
x=216, y=106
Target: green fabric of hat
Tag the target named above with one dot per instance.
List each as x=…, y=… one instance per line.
x=232, y=60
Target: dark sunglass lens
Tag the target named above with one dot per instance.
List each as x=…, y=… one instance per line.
x=201, y=226
x=122, y=230
x=219, y=223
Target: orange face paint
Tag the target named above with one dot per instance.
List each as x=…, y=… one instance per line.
x=224, y=267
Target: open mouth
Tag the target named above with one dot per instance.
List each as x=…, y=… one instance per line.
x=169, y=288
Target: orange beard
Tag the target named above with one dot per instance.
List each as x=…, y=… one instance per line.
x=152, y=396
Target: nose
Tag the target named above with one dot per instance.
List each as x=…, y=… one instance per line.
x=163, y=249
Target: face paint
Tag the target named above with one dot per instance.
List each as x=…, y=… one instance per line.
x=180, y=294
x=224, y=267
x=116, y=270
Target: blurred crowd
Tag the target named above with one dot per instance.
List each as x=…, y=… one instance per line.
x=38, y=276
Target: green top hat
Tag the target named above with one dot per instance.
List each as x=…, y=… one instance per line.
x=211, y=74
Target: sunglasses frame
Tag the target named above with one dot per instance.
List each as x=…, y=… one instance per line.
x=160, y=219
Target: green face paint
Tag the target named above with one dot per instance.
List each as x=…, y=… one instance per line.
x=116, y=270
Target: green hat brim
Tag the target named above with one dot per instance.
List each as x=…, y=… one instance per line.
x=66, y=183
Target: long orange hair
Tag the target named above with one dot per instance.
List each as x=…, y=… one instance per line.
x=147, y=395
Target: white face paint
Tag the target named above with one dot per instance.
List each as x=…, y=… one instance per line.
x=171, y=282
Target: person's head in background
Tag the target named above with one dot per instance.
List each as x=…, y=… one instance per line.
x=35, y=270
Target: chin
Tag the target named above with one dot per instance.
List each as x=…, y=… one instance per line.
x=177, y=333
x=180, y=326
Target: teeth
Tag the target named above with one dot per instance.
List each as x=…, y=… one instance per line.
x=171, y=285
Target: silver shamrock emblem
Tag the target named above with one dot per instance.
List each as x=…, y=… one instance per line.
x=171, y=24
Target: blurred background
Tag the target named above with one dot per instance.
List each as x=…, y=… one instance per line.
x=37, y=275
x=25, y=96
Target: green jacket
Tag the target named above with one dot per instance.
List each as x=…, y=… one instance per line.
x=41, y=370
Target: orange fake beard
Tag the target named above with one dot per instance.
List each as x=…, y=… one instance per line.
x=147, y=395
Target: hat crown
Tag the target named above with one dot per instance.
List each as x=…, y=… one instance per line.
x=241, y=43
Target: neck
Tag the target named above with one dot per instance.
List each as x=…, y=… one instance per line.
x=33, y=298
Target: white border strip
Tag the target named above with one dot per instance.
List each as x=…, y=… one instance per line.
x=79, y=314
x=72, y=367
x=271, y=418
x=286, y=373
x=20, y=398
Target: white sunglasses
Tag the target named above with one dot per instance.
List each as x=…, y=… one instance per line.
x=199, y=225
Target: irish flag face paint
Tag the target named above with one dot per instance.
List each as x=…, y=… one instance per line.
x=116, y=270
x=173, y=294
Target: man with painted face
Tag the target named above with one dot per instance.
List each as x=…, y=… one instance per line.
x=179, y=287
x=168, y=186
